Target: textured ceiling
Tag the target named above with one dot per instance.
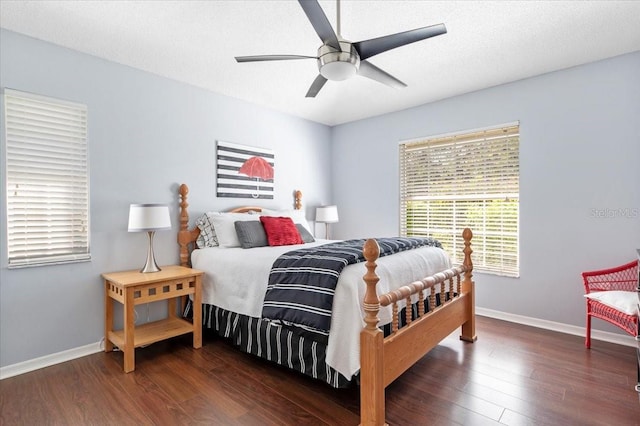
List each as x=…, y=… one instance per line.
x=487, y=43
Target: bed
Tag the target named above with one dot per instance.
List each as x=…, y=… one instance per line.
x=387, y=311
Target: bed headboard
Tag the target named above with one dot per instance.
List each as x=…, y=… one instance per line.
x=187, y=237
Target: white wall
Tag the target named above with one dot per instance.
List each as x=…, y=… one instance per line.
x=147, y=135
x=579, y=151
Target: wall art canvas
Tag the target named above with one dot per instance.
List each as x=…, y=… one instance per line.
x=244, y=171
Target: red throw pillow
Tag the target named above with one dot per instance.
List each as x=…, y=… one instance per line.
x=281, y=231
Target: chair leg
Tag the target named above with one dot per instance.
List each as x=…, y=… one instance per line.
x=587, y=339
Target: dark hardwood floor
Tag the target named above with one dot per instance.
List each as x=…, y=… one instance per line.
x=513, y=375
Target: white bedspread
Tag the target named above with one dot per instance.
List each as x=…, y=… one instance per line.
x=236, y=279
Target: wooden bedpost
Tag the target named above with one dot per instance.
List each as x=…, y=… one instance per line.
x=297, y=199
x=371, y=346
x=183, y=233
x=468, y=286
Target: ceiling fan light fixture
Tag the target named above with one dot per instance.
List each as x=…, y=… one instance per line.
x=338, y=65
x=338, y=71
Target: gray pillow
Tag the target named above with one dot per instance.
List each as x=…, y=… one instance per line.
x=306, y=235
x=251, y=234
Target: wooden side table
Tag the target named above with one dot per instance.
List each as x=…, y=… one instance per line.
x=132, y=288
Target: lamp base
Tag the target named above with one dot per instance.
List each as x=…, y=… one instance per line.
x=150, y=268
x=150, y=265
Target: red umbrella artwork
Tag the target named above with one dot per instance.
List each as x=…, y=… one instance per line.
x=259, y=168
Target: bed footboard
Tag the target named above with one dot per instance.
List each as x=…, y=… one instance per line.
x=382, y=359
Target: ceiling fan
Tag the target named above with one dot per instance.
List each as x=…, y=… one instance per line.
x=339, y=59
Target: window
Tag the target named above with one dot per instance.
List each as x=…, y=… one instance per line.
x=47, y=180
x=452, y=182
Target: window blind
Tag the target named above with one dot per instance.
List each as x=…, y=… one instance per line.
x=465, y=180
x=47, y=180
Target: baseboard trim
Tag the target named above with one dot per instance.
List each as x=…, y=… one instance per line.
x=49, y=360
x=619, y=339
x=92, y=348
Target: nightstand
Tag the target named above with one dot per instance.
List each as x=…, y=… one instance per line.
x=132, y=288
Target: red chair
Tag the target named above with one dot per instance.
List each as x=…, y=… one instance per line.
x=611, y=306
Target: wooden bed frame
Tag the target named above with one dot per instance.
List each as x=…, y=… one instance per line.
x=383, y=359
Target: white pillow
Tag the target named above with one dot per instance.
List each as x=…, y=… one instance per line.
x=224, y=224
x=298, y=216
x=623, y=301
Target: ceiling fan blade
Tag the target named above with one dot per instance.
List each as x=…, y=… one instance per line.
x=259, y=58
x=367, y=69
x=316, y=86
x=320, y=22
x=369, y=48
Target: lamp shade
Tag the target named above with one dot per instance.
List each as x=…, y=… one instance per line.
x=327, y=214
x=149, y=217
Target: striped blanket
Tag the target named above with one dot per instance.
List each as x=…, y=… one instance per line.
x=302, y=282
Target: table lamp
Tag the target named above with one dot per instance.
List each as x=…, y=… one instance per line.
x=149, y=218
x=327, y=215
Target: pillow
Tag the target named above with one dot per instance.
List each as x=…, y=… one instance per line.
x=207, y=237
x=281, y=231
x=624, y=301
x=304, y=234
x=298, y=216
x=224, y=225
x=251, y=234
